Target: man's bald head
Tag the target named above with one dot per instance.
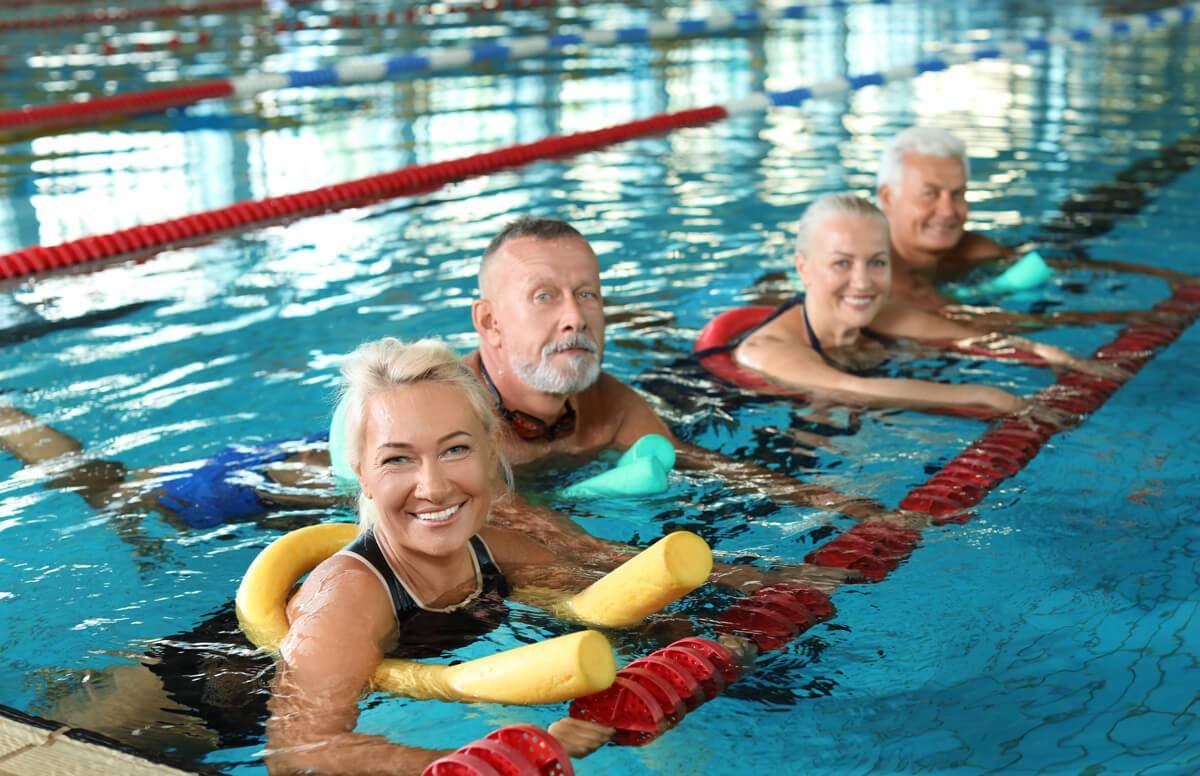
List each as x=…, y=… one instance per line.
x=536, y=227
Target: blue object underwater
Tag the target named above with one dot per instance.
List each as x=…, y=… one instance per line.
x=1030, y=271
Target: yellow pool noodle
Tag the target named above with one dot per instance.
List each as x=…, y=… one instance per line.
x=546, y=672
x=665, y=571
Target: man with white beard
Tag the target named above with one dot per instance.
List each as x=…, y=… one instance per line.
x=540, y=319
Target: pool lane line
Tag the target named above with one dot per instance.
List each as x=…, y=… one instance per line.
x=652, y=694
x=145, y=240
x=377, y=69
x=125, y=15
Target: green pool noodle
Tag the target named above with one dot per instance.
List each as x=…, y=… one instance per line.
x=343, y=475
x=640, y=471
x=654, y=446
x=639, y=477
x=1030, y=271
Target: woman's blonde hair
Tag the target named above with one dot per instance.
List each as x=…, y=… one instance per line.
x=385, y=364
x=841, y=204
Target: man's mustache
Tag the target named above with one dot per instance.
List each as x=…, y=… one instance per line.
x=574, y=342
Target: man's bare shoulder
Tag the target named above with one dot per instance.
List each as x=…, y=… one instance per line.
x=975, y=247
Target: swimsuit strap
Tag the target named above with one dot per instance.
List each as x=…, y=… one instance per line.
x=493, y=578
x=812, y=335
x=732, y=344
x=488, y=578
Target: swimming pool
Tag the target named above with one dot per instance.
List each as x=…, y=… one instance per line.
x=1054, y=633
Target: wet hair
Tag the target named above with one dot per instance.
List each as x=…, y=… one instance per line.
x=538, y=227
x=927, y=141
x=827, y=205
x=385, y=364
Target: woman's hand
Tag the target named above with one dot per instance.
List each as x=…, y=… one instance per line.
x=1105, y=370
x=578, y=736
x=1000, y=400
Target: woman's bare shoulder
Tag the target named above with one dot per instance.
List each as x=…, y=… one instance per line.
x=341, y=581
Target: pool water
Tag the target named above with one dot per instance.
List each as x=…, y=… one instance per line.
x=1054, y=633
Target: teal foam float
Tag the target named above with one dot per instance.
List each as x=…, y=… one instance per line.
x=343, y=475
x=640, y=471
x=1029, y=272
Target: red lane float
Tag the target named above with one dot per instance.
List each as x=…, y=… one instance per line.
x=694, y=670
x=410, y=180
x=68, y=114
x=1006, y=448
x=515, y=750
x=119, y=15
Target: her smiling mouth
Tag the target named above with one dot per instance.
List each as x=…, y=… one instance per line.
x=440, y=516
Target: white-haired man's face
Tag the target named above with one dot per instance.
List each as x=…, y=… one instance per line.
x=546, y=314
x=927, y=209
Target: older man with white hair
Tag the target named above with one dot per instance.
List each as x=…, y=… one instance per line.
x=922, y=188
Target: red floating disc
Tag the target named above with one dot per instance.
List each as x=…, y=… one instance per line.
x=624, y=706
x=893, y=537
x=765, y=626
x=664, y=693
x=717, y=654
x=538, y=747
x=817, y=601
x=506, y=760
x=799, y=615
x=687, y=687
x=456, y=764
x=711, y=679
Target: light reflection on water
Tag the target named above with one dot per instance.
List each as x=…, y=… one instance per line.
x=240, y=341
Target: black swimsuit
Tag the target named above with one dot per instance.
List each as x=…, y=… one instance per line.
x=426, y=632
x=214, y=671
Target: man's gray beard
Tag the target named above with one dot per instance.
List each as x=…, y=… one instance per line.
x=583, y=371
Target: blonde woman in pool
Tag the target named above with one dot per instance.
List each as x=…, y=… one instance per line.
x=426, y=570
x=819, y=340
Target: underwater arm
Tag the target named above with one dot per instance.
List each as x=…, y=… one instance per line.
x=802, y=369
x=899, y=320
x=639, y=419
x=331, y=651
x=33, y=442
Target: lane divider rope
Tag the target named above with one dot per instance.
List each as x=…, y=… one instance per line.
x=423, y=178
x=374, y=69
x=652, y=694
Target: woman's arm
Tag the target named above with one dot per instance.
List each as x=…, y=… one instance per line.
x=901, y=320
x=797, y=366
x=340, y=620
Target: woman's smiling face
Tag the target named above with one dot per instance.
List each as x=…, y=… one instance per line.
x=846, y=269
x=428, y=466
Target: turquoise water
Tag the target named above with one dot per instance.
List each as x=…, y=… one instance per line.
x=1055, y=633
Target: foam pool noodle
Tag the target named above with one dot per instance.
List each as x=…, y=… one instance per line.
x=1030, y=271
x=343, y=475
x=660, y=574
x=640, y=471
